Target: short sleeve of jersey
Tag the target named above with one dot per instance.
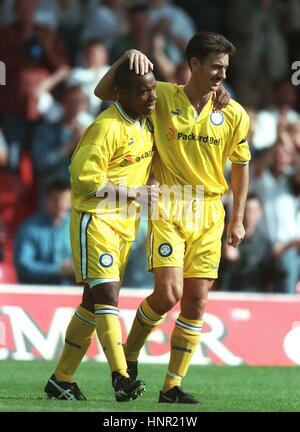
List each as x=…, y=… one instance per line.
x=89, y=163
x=239, y=152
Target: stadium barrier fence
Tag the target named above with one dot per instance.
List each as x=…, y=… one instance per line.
x=253, y=329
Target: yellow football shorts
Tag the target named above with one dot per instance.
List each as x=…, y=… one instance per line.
x=97, y=250
x=190, y=239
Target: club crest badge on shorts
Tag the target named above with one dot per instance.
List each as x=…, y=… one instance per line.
x=106, y=260
x=216, y=118
x=165, y=250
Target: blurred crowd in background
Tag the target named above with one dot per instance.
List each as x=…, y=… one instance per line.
x=55, y=52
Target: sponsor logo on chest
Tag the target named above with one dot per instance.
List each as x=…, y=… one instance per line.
x=181, y=136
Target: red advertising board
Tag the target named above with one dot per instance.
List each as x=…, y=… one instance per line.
x=239, y=328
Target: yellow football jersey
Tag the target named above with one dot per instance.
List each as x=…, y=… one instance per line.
x=114, y=148
x=193, y=149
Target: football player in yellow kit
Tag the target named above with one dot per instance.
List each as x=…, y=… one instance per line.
x=193, y=143
x=109, y=169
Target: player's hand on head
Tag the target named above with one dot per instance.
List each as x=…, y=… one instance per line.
x=139, y=62
x=235, y=233
x=221, y=98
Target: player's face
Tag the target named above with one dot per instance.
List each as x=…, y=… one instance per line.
x=211, y=71
x=141, y=99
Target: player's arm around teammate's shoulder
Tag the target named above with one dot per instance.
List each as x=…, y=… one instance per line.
x=138, y=61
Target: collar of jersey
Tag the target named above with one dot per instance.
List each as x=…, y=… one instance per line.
x=125, y=116
x=208, y=104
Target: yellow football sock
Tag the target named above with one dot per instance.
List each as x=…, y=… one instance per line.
x=110, y=336
x=78, y=338
x=144, y=323
x=184, y=340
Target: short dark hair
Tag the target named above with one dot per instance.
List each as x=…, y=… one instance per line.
x=58, y=186
x=93, y=41
x=125, y=78
x=203, y=43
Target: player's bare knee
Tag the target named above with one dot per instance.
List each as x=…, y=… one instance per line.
x=198, y=304
x=106, y=299
x=167, y=295
x=87, y=305
x=106, y=293
x=170, y=303
x=162, y=305
x=87, y=299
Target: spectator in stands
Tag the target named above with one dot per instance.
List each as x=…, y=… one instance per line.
x=47, y=106
x=143, y=36
x=42, y=252
x=255, y=28
x=45, y=12
x=248, y=267
x=293, y=129
x=2, y=240
x=53, y=142
x=104, y=20
x=182, y=73
x=172, y=21
x=30, y=51
x=69, y=15
x=95, y=58
x=274, y=182
x=3, y=150
x=208, y=15
x=281, y=112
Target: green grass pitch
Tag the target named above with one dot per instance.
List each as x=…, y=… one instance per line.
x=220, y=389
